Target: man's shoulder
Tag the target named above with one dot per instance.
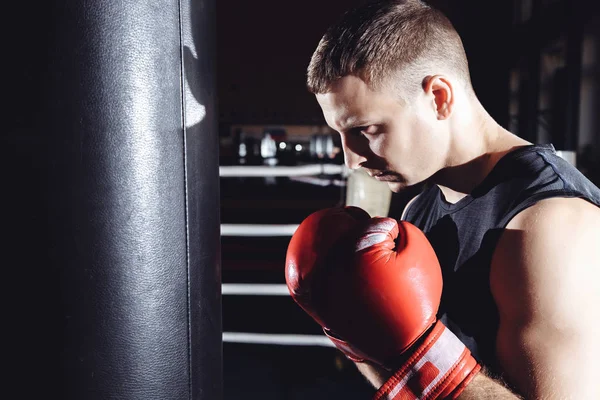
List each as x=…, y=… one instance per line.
x=552, y=222
x=549, y=237
x=549, y=248
x=528, y=181
x=546, y=213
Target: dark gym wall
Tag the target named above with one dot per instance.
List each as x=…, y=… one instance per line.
x=485, y=28
x=110, y=197
x=264, y=48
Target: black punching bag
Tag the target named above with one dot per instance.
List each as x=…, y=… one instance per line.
x=110, y=179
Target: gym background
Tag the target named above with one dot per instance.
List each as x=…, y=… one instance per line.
x=156, y=155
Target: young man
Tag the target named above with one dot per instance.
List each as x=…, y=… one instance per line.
x=515, y=228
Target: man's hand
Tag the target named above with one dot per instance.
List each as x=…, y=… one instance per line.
x=375, y=287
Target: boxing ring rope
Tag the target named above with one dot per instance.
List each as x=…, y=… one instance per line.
x=258, y=230
x=304, y=173
x=277, y=339
x=318, y=181
x=255, y=289
x=254, y=171
x=260, y=289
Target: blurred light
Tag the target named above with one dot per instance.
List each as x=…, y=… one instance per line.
x=270, y=161
x=298, y=147
x=268, y=148
x=282, y=145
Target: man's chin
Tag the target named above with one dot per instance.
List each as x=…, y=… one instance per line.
x=405, y=187
x=397, y=187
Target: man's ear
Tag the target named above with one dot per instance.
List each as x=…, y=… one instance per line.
x=440, y=89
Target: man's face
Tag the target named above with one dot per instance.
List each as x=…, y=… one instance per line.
x=397, y=142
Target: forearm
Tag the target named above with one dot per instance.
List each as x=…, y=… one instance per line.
x=375, y=375
x=482, y=387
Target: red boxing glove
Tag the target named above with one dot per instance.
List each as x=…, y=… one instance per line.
x=375, y=286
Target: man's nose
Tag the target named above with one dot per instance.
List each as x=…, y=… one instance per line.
x=352, y=154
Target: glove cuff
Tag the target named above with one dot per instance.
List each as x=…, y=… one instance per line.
x=440, y=367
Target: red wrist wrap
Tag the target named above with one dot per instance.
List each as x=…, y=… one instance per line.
x=441, y=367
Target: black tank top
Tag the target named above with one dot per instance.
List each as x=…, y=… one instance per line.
x=464, y=235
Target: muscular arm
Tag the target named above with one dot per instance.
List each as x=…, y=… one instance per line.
x=485, y=388
x=545, y=278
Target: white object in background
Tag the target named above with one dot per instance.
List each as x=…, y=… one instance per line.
x=369, y=194
x=568, y=155
x=268, y=147
x=258, y=230
x=277, y=339
x=318, y=181
x=226, y=171
x=255, y=289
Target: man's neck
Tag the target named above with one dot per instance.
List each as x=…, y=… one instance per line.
x=470, y=164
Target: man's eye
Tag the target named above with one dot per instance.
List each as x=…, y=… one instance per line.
x=357, y=131
x=364, y=130
x=368, y=130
